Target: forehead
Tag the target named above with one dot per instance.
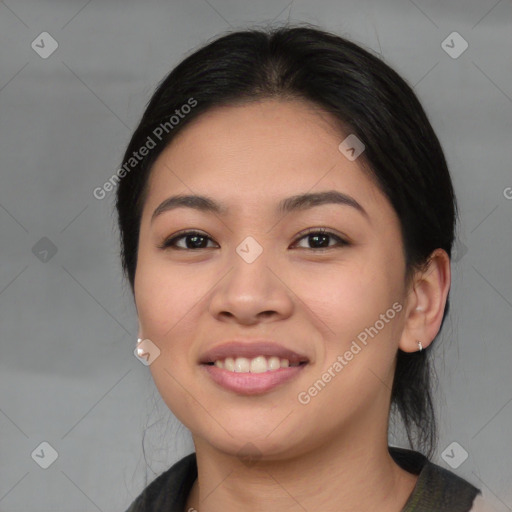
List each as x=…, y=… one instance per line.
x=259, y=153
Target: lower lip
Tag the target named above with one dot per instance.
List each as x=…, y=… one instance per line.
x=251, y=383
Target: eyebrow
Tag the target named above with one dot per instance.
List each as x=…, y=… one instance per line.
x=293, y=203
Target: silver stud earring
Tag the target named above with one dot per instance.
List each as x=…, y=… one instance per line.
x=420, y=346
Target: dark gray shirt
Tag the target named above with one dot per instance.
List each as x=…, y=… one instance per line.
x=436, y=490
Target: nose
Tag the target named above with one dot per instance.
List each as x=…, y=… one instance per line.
x=251, y=293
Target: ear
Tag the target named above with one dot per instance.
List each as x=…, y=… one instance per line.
x=426, y=302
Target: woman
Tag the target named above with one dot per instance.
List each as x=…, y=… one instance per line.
x=287, y=218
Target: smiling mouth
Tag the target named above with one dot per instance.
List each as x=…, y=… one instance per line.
x=259, y=364
x=248, y=378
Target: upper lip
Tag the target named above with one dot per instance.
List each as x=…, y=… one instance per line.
x=251, y=349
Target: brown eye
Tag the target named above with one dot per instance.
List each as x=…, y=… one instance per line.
x=193, y=240
x=319, y=238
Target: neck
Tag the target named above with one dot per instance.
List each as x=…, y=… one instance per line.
x=353, y=472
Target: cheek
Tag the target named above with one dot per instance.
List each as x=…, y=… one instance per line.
x=165, y=305
x=354, y=304
x=159, y=305
x=346, y=297
x=152, y=298
x=164, y=298
x=358, y=309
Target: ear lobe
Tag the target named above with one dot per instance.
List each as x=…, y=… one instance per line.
x=426, y=303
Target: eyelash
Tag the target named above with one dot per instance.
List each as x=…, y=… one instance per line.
x=170, y=242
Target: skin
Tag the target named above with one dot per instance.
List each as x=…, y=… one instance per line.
x=330, y=454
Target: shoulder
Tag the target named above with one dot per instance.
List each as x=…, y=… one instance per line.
x=437, y=488
x=446, y=491
x=169, y=490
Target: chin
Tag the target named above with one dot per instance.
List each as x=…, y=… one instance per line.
x=247, y=442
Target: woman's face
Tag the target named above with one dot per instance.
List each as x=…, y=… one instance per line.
x=252, y=273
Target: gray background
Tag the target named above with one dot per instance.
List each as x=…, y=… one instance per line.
x=67, y=322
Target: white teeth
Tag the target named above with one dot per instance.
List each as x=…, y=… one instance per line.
x=258, y=364
x=274, y=363
x=242, y=364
